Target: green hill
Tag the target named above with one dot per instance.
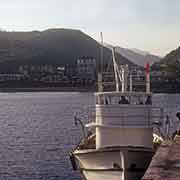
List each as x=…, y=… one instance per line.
x=170, y=63
x=53, y=47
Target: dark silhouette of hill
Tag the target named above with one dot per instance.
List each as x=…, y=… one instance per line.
x=57, y=47
x=170, y=63
x=172, y=57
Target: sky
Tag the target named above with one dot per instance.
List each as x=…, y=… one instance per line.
x=150, y=25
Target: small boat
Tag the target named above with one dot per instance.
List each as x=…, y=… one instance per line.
x=120, y=145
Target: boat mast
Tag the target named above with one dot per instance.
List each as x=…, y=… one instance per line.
x=123, y=80
x=147, y=79
x=115, y=69
x=121, y=74
x=100, y=71
x=130, y=83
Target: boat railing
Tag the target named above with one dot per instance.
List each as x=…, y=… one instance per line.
x=132, y=98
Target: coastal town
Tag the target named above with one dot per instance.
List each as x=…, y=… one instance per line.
x=82, y=73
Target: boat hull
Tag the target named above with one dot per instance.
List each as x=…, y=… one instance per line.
x=122, y=163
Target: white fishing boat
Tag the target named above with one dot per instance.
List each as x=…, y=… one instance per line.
x=121, y=145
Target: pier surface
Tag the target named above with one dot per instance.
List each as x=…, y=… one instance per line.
x=165, y=164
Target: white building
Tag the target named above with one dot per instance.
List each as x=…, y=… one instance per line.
x=86, y=68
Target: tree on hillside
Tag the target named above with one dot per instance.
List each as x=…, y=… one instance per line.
x=173, y=68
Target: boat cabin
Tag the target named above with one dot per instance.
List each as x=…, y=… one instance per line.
x=124, y=119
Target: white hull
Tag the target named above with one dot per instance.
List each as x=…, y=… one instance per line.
x=123, y=163
x=106, y=175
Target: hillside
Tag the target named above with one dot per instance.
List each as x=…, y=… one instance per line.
x=139, y=51
x=170, y=63
x=172, y=57
x=53, y=47
x=137, y=56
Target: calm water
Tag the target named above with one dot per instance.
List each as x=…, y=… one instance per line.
x=37, y=132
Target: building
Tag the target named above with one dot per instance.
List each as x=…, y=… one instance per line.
x=11, y=77
x=86, y=69
x=32, y=69
x=161, y=75
x=70, y=71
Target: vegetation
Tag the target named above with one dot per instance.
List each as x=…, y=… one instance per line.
x=170, y=64
x=57, y=47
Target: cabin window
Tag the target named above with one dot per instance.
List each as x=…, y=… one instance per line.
x=123, y=100
x=107, y=100
x=148, y=100
x=99, y=100
x=140, y=101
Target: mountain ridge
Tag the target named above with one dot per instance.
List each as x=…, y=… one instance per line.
x=170, y=63
x=57, y=46
x=140, y=58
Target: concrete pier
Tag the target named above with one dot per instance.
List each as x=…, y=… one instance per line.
x=165, y=164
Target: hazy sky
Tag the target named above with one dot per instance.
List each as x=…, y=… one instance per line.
x=152, y=25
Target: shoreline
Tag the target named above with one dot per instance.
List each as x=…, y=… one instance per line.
x=66, y=89
x=48, y=89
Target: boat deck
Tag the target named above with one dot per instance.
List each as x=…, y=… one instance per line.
x=165, y=164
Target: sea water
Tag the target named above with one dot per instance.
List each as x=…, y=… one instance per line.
x=37, y=132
